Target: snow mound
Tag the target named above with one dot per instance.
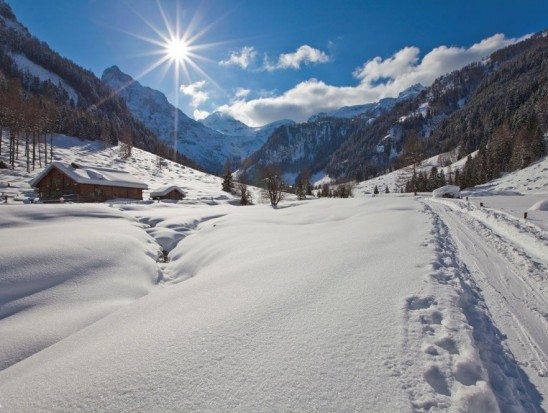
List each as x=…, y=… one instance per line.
x=540, y=206
x=59, y=272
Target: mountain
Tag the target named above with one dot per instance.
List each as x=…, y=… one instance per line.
x=499, y=105
x=243, y=139
x=209, y=143
x=196, y=141
x=370, y=110
x=41, y=91
x=311, y=144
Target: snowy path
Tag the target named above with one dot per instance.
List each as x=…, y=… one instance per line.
x=506, y=263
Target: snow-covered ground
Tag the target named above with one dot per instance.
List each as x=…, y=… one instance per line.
x=197, y=185
x=382, y=304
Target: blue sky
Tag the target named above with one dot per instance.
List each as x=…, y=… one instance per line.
x=264, y=60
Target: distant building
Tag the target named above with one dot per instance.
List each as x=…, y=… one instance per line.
x=447, y=191
x=81, y=183
x=168, y=192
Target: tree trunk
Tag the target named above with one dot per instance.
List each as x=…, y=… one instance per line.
x=27, y=151
x=33, y=150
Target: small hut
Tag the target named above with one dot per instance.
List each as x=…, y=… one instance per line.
x=172, y=192
x=81, y=183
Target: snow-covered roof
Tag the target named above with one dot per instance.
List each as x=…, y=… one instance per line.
x=93, y=175
x=452, y=190
x=166, y=190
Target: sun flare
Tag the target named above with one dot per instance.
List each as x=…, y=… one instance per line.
x=177, y=50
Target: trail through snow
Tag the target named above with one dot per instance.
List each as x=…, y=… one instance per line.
x=504, y=280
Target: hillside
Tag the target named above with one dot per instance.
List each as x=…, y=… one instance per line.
x=499, y=105
x=310, y=145
x=43, y=92
x=142, y=165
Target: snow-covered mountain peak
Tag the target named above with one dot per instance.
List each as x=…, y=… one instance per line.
x=370, y=110
x=113, y=74
x=411, y=92
x=209, y=142
x=226, y=124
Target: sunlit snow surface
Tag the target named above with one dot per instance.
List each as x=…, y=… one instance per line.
x=379, y=304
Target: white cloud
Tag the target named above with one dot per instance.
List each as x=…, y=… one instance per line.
x=243, y=58
x=194, y=90
x=304, y=55
x=241, y=93
x=247, y=55
x=200, y=114
x=378, y=78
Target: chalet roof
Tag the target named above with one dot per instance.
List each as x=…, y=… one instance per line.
x=166, y=190
x=92, y=175
x=452, y=190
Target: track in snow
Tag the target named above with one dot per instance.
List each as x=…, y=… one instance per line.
x=504, y=276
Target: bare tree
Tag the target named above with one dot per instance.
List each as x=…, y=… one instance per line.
x=413, y=151
x=245, y=195
x=274, y=185
x=126, y=143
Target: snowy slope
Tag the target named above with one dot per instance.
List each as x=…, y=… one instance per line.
x=141, y=165
x=397, y=179
x=27, y=66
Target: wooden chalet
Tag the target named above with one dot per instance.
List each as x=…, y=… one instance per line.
x=172, y=192
x=86, y=183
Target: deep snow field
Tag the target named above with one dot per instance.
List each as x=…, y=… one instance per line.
x=391, y=303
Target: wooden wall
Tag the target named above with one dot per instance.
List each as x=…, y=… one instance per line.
x=56, y=184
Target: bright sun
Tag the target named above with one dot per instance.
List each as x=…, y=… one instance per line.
x=177, y=50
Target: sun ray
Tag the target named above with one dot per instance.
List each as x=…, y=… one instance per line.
x=175, y=48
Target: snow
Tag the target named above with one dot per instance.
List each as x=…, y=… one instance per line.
x=92, y=175
x=452, y=191
x=166, y=190
x=24, y=64
x=387, y=303
x=540, y=206
x=142, y=165
x=59, y=272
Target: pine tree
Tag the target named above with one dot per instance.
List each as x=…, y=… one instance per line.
x=376, y=190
